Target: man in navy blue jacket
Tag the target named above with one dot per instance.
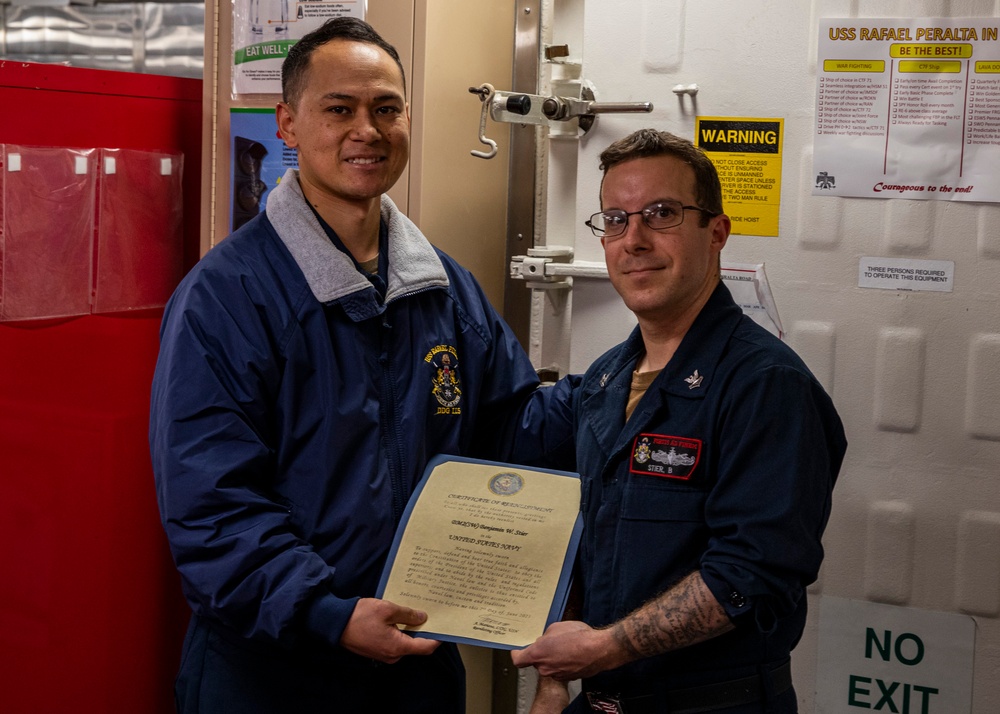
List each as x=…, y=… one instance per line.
x=298, y=396
x=708, y=454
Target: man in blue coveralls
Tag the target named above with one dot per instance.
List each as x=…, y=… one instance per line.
x=708, y=454
x=310, y=366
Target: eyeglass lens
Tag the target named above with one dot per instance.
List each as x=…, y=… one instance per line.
x=660, y=215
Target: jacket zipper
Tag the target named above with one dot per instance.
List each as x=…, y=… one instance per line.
x=390, y=424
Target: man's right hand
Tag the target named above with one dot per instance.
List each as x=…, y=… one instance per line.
x=371, y=632
x=571, y=649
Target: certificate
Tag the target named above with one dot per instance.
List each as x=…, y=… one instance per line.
x=486, y=550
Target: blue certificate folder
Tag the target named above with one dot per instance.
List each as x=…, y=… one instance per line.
x=464, y=551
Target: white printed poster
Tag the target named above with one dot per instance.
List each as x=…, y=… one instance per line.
x=264, y=30
x=908, y=108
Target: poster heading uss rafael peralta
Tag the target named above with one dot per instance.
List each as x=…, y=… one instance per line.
x=908, y=108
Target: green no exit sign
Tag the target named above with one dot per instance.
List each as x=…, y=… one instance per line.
x=896, y=660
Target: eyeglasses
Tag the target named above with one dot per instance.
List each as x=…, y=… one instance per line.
x=658, y=216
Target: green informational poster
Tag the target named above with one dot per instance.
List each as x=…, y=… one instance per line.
x=264, y=30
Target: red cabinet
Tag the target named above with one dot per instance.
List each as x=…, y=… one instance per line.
x=91, y=614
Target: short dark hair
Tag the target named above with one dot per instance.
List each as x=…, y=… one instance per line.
x=296, y=64
x=650, y=142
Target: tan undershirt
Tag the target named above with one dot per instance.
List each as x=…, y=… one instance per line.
x=640, y=383
x=370, y=266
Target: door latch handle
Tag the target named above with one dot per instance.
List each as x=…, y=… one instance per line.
x=521, y=108
x=486, y=93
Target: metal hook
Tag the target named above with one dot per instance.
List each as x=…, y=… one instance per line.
x=485, y=93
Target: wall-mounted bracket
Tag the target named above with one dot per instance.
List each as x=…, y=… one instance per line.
x=520, y=108
x=536, y=268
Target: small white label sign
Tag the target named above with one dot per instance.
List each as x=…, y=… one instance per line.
x=906, y=274
x=884, y=658
x=748, y=284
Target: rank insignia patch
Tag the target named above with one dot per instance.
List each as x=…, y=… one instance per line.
x=666, y=456
x=445, y=383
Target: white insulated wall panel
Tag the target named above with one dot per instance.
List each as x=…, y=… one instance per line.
x=915, y=375
x=988, y=234
x=977, y=578
x=909, y=227
x=815, y=343
x=662, y=35
x=889, y=553
x=818, y=226
x=899, y=369
x=982, y=416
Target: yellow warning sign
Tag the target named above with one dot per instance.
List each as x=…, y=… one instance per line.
x=747, y=154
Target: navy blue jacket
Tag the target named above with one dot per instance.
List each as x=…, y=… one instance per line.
x=726, y=467
x=293, y=413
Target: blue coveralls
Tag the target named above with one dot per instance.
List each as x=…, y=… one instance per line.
x=726, y=467
x=293, y=412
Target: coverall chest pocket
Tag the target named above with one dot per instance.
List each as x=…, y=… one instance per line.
x=663, y=533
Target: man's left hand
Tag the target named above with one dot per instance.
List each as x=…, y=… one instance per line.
x=571, y=650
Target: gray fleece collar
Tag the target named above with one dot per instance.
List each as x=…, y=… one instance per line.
x=413, y=263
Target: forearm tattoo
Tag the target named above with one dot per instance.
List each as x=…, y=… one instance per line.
x=684, y=615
